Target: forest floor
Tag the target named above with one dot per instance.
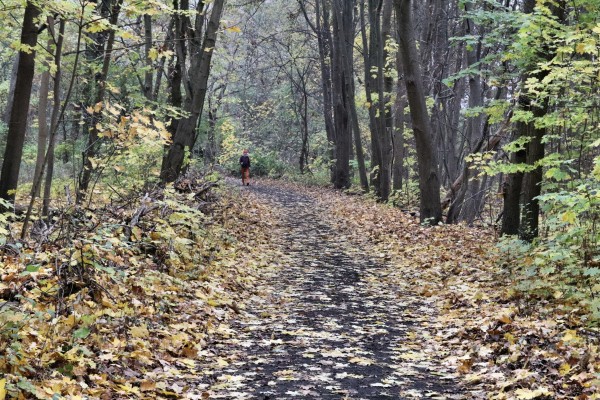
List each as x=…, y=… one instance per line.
x=277, y=291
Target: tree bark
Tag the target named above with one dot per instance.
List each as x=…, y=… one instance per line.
x=15, y=139
x=370, y=60
x=54, y=120
x=11, y=89
x=322, y=30
x=385, y=87
x=201, y=55
x=42, y=138
x=360, y=156
x=93, y=142
x=398, y=137
x=342, y=76
x=148, y=75
x=528, y=185
x=429, y=183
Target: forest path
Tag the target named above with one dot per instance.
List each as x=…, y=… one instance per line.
x=326, y=324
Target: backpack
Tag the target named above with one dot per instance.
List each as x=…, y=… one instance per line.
x=245, y=161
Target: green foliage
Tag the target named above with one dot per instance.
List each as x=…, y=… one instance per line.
x=565, y=262
x=555, y=61
x=133, y=145
x=408, y=197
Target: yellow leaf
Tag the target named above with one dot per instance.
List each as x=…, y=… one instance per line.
x=2, y=389
x=532, y=394
x=127, y=388
x=127, y=35
x=140, y=331
x=510, y=338
x=136, y=234
x=234, y=29
x=153, y=54
x=568, y=217
x=505, y=319
x=222, y=363
x=570, y=335
x=147, y=386
x=564, y=369
x=93, y=162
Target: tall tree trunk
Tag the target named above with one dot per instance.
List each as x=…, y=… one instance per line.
x=398, y=136
x=175, y=74
x=93, y=142
x=185, y=135
x=15, y=139
x=148, y=92
x=304, y=115
x=370, y=61
x=429, y=183
x=528, y=185
x=54, y=120
x=11, y=89
x=322, y=29
x=469, y=209
x=343, y=13
x=360, y=156
x=386, y=85
x=532, y=180
x=42, y=138
x=511, y=192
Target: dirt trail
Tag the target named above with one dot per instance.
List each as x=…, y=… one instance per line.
x=325, y=325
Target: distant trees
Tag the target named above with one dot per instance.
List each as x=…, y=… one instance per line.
x=409, y=100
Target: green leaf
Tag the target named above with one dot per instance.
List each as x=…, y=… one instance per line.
x=81, y=333
x=32, y=268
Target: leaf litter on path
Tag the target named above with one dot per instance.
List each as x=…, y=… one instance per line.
x=363, y=283
x=329, y=326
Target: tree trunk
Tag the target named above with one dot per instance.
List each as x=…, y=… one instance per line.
x=342, y=76
x=511, y=193
x=398, y=137
x=528, y=185
x=360, y=156
x=11, y=89
x=385, y=87
x=532, y=181
x=185, y=135
x=93, y=142
x=42, y=138
x=370, y=61
x=322, y=30
x=148, y=92
x=54, y=120
x=18, y=116
x=429, y=184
